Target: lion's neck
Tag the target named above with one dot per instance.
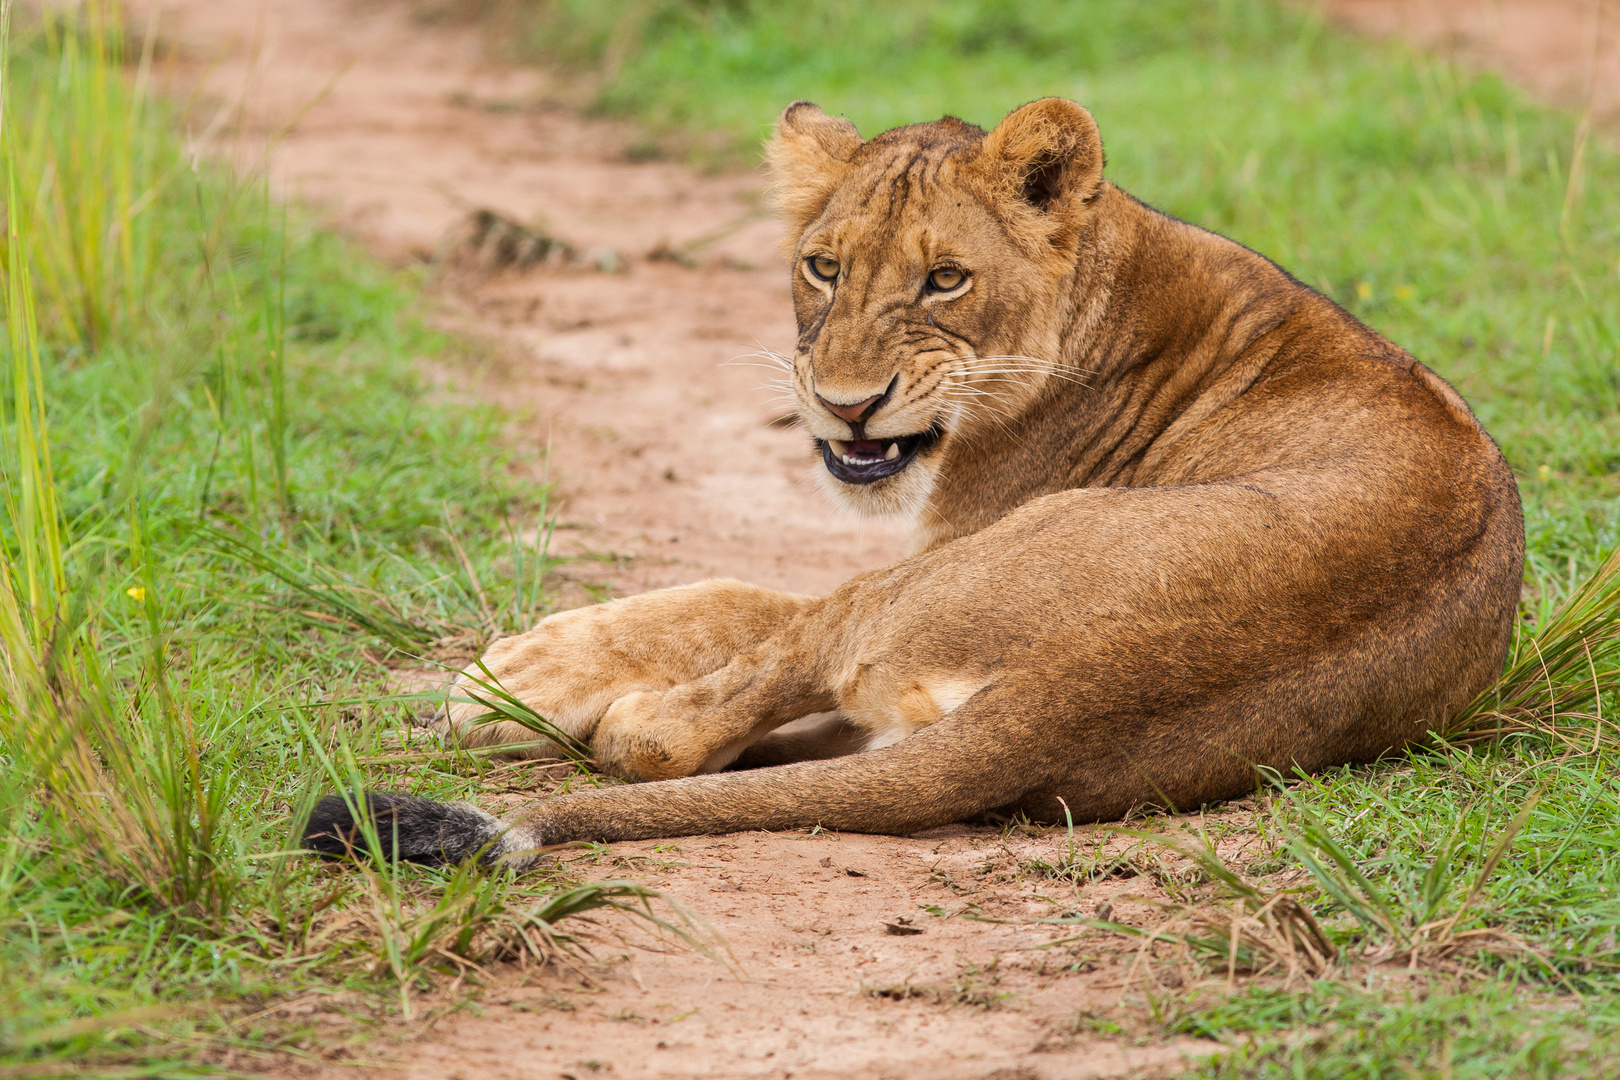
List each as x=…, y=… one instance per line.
x=1157, y=312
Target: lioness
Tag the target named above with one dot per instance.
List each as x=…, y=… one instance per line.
x=1177, y=517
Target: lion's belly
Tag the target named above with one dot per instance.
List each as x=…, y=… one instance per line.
x=893, y=705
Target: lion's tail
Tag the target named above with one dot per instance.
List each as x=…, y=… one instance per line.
x=959, y=767
x=413, y=829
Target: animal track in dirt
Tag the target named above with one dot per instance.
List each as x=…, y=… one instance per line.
x=674, y=466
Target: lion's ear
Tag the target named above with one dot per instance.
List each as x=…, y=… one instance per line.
x=1047, y=155
x=808, y=158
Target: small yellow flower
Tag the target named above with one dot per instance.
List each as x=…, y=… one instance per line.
x=139, y=592
x=1403, y=292
x=1544, y=472
x=1363, y=291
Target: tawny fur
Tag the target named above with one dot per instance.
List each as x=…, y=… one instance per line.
x=1184, y=518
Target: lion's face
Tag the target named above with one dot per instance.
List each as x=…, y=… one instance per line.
x=927, y=267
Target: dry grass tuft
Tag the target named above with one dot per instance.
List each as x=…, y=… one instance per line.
x=1260, y=930
x=1557, y=675
x=488, y=241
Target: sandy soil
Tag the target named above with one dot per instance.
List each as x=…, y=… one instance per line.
x=840, y=971
x=673, y=465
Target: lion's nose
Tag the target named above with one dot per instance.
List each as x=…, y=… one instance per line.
x=856, y=413
x=860, y=411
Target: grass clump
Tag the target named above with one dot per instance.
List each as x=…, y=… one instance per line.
x=1454, y=913
x=1330, y=1030
x=228, y=504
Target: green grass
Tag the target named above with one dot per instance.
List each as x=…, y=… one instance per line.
x=228, y=502
x=1330, y=1030
x=1473, y=226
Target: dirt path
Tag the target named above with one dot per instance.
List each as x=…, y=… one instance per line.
x=824, y=987
x=671, y=471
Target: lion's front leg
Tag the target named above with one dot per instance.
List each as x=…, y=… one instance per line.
x=573, y=665
x=704, y=725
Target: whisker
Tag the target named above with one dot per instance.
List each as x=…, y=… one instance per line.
x=771, y=356
x=1059, y=375
x=1010, y=363
x=739, y=361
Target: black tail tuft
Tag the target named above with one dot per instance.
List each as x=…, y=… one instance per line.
x=409, y=828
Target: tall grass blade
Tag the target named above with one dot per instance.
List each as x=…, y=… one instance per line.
x=326, y=591
x=120, y=772
x=503, y=705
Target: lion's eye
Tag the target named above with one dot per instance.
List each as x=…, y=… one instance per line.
x=946, y=278
x=824, y=267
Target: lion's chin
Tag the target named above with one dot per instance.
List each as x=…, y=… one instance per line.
x=901, y=493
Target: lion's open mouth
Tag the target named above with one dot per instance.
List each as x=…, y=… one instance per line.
x=864, y=461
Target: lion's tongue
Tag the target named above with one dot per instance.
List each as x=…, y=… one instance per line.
x=865, y=451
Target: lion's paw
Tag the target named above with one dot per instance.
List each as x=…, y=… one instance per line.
x=565, y=669
x=644, y=737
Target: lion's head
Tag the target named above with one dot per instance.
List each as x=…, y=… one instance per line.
x=933, y=274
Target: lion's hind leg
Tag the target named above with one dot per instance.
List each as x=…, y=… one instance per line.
x=573, y=665
x=810, y=738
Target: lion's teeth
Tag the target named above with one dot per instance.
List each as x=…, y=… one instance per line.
x=841, y=450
